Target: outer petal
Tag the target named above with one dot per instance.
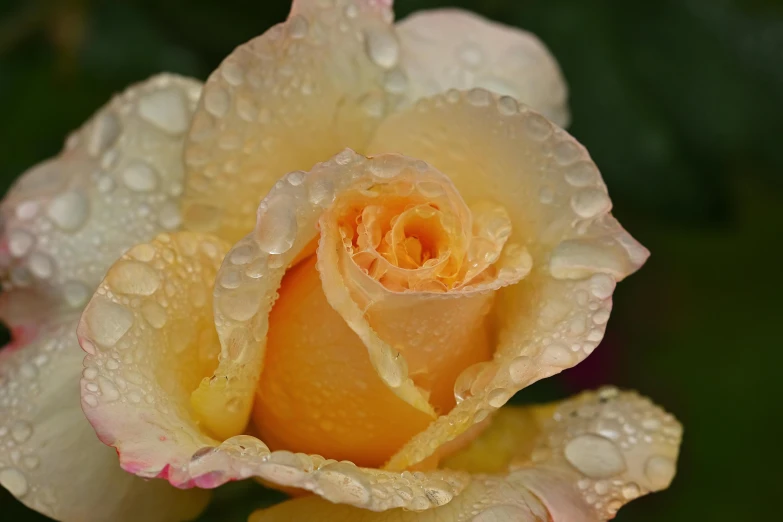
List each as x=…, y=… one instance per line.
x=49, y=456
x=577, y=461
x=116, y=183
x=494, y=150
x=286, y=100
x=64, y=221
x=447, y=49
x=144, y=360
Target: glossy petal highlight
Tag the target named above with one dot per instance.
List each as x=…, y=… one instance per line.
x=446, y=49
x=50, y=458
x=493, y=149
x=286, y=100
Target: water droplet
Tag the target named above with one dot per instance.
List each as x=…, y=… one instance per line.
x=40, y=265
x=321, y=192
x=659, y=471
x=296, y=178
x=20, y=242
x=232, y=73
x=216, y=100
x=343, y=483
x=133, y=278
x=479, y=97
x=589, y=202
x=470, y=55
x=602, y=286
x=21, y=431
x=166, y=110
x=297, y=27
x=566, y=152
x=27, y=210
x=169, y=216
x=108, y=389
x=382, y=48
x=140, y=176
x=276, y=229
x=107, y=321
x=69, y=210
x=105, y=131
x=240, y=305
x=154, y=314
x=630, y=491
x=13, y=480
x=537, y=127
x=520, y=369
x=595, y=456
x=578, y=259
x=582, y=174
x=507, y=106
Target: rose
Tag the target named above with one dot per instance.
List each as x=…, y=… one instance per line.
x=449, y=282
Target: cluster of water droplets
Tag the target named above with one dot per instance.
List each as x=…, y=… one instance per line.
x=286, y=100
x=23, y=399
x=117, y=182
x=620, y=444
x=572, y=246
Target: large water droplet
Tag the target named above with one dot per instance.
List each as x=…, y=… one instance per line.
x=13, y=480
x=659, y=471
x=590, y=202
x=166, y=110
x=595, y=456
x=105, y=131
x=140, y=176
x=40, y=265
x=134, y=278
x=107, y=321
x=557, y=355
x=216, y=101
x=382, y=48
x=276, y=229
x=20, y=242
x=69, y=210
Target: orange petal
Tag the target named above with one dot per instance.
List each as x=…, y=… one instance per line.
x=559, y=211
x=286, y=100
x=318, y=392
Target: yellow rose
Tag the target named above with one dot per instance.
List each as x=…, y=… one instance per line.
x=423, y=249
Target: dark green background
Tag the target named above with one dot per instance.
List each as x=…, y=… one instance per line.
x=680, y=103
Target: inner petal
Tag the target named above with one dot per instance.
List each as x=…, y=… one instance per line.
x=398, y=279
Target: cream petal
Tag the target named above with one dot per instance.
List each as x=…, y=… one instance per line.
x=487, y=499
x=559, y=209
x=575, y=461
x=286, y=100
x=116, y=182
x=50, y=458
x=446, y=49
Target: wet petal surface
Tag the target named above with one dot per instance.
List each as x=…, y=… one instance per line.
x=117, y=182
x=286, y=100
x=446, y=49
x=50, y=458
x=575, y=461
x=495, y=150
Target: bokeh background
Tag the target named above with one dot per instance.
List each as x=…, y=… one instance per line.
x=680, y=103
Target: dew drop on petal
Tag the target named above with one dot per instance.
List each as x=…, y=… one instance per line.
x=595, y=456
x=69, y=210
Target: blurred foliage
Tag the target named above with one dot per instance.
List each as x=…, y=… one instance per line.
x=680, y=102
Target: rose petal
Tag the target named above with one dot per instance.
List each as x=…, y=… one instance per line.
x=286, y=100
x=50, y=458
x=576, y=461
x=117, y=182
x=446, y=49
x=159, y=436
x=559, y=209
x=150, y=339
